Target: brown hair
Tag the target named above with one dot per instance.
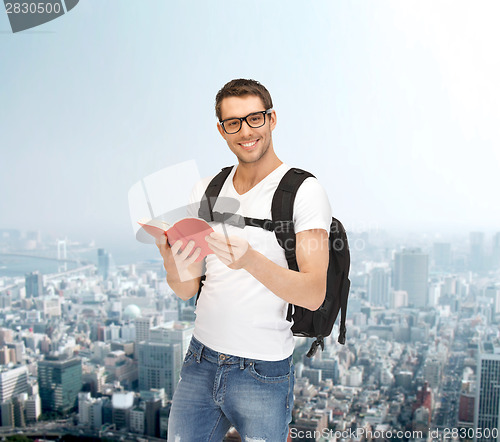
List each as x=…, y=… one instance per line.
x=239, y=88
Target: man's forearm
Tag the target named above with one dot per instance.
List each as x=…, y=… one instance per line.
x=300, y=288
x=184, y=289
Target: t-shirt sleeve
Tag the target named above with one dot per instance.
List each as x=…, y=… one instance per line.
x=311, y=209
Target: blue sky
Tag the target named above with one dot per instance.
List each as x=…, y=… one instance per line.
x=395, y=106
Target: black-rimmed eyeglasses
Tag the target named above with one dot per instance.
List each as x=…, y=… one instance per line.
x=255, y=119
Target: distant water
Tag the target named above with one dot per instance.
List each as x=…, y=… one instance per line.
x=16, y=266
x=122, y=253
x=13, y=266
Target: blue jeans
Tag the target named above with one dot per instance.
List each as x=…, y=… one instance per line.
x=217, y=390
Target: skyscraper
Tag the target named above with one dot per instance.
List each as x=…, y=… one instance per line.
x=487, y=403
x=33, y=284
x=411, y=274
x=476, y=251
x=59, y=381
x=173, y=332
x=442, y=255
x=378, y=286
x=159, y=366
x=142, y=327
x=160, y=357
x=103, y=259
x=495, y=252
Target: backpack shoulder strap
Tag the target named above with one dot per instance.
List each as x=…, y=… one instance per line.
x=207, y=203
x=211, y=193
x=282, y=212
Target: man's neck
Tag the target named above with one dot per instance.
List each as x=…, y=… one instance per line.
x=248, y=175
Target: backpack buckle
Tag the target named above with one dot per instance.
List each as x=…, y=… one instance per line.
x=319, y=342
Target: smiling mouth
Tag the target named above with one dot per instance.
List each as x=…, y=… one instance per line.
x=249, y=145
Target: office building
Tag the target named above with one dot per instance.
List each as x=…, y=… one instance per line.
x=142, y=327
x=34, y=285
x=137, y=420
x=432, y=371
x=159, y=366
x=154, y=394
x=19, y=410
x=6, y=336
x=164, y=415
x=173, y=332
x=442, y=256
x=60, y=381
x=411, y=273
x=379, y=286
x=103, y=260
x=13, y=382
x=120, y=368
x=492, y=297
x=49, y=306
x=122, y=406
x=153, y=417
x=89, y=411
x=495, y=252
x=7, y=414
x=33, y=408
x=466, y=409
x=487, y=403
x=476, y=251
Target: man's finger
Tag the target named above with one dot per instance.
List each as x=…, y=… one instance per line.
x=217, y=246
x=217, y=236
x=176, y=247
x=224, y=245
x=187, y=250
x=194, y=256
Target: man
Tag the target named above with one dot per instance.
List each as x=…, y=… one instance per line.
x=238, y=369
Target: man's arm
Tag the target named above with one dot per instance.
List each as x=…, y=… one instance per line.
x=306, y=288
x=183, y=273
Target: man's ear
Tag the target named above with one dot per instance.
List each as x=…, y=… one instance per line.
x=273, y=119
x=221, y=130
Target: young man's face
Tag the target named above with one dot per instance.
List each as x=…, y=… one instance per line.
x=249, y=144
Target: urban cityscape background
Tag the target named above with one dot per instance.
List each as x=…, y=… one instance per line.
x=393, y=105
x=94, y=349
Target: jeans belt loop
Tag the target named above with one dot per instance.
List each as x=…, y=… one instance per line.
x=242, y=363
x=198, y=355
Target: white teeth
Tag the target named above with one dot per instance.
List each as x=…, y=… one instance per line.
x=249, y=144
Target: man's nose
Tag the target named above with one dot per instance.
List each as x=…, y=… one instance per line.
x=245, y=128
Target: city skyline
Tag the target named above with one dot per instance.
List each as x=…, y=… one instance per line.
x=393, y=105
x=418, y=322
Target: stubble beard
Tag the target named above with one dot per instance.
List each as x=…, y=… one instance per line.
x=264, y=151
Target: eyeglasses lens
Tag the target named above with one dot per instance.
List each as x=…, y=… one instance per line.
x=253, y=120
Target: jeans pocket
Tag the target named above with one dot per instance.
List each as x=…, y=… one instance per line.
x=189, y=358
x=271, y=371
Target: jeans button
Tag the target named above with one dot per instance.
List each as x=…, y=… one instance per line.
x=222, y=357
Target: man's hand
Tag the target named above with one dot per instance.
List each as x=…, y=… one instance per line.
x=177, y=262
x=233, y=251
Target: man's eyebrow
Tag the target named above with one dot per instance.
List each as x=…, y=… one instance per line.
x=254, y=112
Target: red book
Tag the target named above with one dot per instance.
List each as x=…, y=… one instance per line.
x=186, y=229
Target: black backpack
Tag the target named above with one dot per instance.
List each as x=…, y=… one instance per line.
x=311, y=324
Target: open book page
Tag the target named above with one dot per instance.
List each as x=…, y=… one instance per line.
x=185, y=230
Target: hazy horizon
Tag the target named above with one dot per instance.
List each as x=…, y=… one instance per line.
x=393, y=106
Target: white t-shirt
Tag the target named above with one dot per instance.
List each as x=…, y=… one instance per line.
x=236, y=314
